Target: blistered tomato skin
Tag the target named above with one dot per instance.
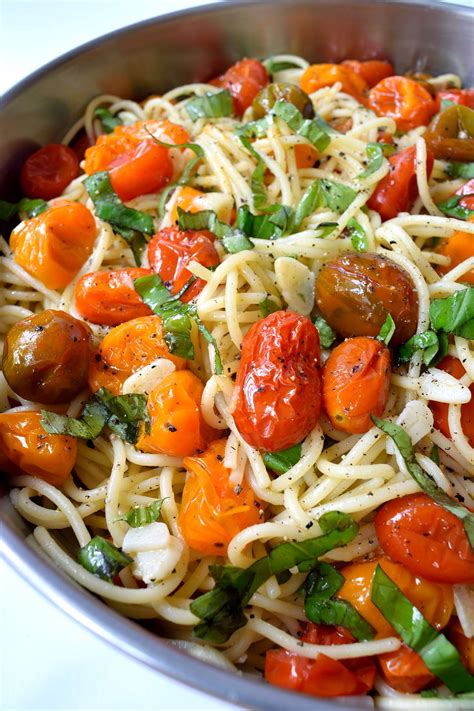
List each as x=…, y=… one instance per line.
x=46, y=357
x=356, y=292
x=278, y=390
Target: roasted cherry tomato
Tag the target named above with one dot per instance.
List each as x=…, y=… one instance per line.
x=464, y=645
x=171, y=250
x=325, y=634
x=110, y=298
x=465, y=97
x=467, y=190
x=372, y=70
x=46, y=357
x=278, y=390
x=267, y=98
x=435, y=601
x=405, y=671
x=305, y=155
x=126, y=349
x=356, y=383
x=458, y=247
x=318, y=76
x=54, y=245
x=440, y=409
x=145, y=169
x=398, y=189
x=404, y=100
x=213, y=510
x=177, y=425
x=244, y=80
x=356, y=292
x=450, y=135
x=25, y=447
x=426, y=538
x=47, y=172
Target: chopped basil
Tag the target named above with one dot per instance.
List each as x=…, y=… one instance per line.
x=326, y=228
x=460, y=170
x=440, y=656
x=108, y=120
x=255, y=129
x=326, y=335
x=453, y=208
x=273, y=65
x=434, y=346
x=210, y=105
x=103, y=559
x=130, y=224
x=311, y=200
x=338, y=197
x=321, y=585
x=31, y=208
x=143, y=515
x=375, y=155
x=434, y=454
x=234, y=240
x=221, y=609
x=425, y=482
x=455, y=313
x=259, y=193
x=269, y=226
x=281, y=461
x=122, y=414
x=387, y=330
x=315, y=130
x=358, y=235
x=268, y=306
x=177, y=317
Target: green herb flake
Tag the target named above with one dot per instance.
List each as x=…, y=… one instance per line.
x=459, y=170
x=140, y=516
x=31, y=208
x=103, y=559
x=268, y=306
x=387, y=330
x=326, y=335
x=359, y=239
x=455, y=313
x=315, y=130
x=281, y=461
x=210, y=105
x=338, y=197
x=453, y=208
x=108, y=120
x=233, y=240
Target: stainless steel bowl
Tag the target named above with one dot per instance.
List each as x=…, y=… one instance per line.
x=154, y=56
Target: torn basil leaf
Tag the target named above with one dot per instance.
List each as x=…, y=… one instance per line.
x=434, y=454
x=31, y=208
x=210, y=105
x=434, y=346
x=273, y=65
x=453, y=208
x=326, y=335
x=281, y=461
x=309, y=203
x=221, y=609
x=259, y=193
x=103, y=559
x=255, y=129
x=108, y=120
x=387, y=330
x=425, y=482
x=268, y=226
x=143, y=515
x=440, y=656
x=460, y=170
x=455, y=313
x=234, y=240
x=358, y=235
x=268, y=306
x=375, y=154
x=315, y=130
x=338, y=197
x=320, y=607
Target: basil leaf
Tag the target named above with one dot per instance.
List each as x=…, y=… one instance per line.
x=267, y=307
x=210, y=105
x=387, y=330
x=425, y=482
x=88, y=426
x=269, y=226
x=259, y=193
x=129, y=223
x=273, y=65
x=326, y=335
x=429, y=342
x=221, y=609
x=321, y=585
x=359, y=238
x=283, y=460
x=311, y=200
x=434, y=454
x=32, y=208
x=375, y=155
x=455, y=313
x=234, y=240
x=255, y=129
x=312, y=129
x=103, y=559
x=326, y=229
x=143, y=515
x=338, y=197
x=108, y=120
x=460, y=170
x=453, y=208
x=440, y=656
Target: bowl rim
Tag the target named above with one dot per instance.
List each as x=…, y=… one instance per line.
x=82, y=606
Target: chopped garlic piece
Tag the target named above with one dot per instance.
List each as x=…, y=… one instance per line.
x=152, y=566
x=296, y=284
x=146, y=538
x=148, y=377
x=440, y=386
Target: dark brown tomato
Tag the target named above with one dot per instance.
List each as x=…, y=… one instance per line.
x=278, y=388
x=46, y=357
x=267, y=98
x=356, y=292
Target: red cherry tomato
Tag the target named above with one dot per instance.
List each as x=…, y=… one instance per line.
x=170, y=252
x=110, y=298
x=144, y=169
x=356, y=383
x=326, y=634
x=398, y=189
x=468, y=191
x=405, y=671
x=278, y=390
x=244, y=80
x=465, y=97
x=440, y=409
x=372, y=70
x=426, y=539
x=47, y=172
x=405, y=100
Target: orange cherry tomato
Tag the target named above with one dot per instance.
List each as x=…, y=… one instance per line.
x=47, y=172
x=404, y=100
x=440, y=409
x=213, y=510
x=177, y=425
x=356, y=383
x=184, y=198
x=356, y=292
x=405, y=671
x=305, y=155
x=426, y=538
x=25, y=446
x=464, y=645
x=244, y=80
x=143, y=170
x=278, y=391
x=127, y=348
x=372, y=70
x=54, y=245
x=464, y=97
x=110, y=298
x=317, y=76
x=398, y=189
x=171, y=250
x=434, y=600
x=458, y=247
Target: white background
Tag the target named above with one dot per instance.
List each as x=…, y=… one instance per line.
x=47, y=661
